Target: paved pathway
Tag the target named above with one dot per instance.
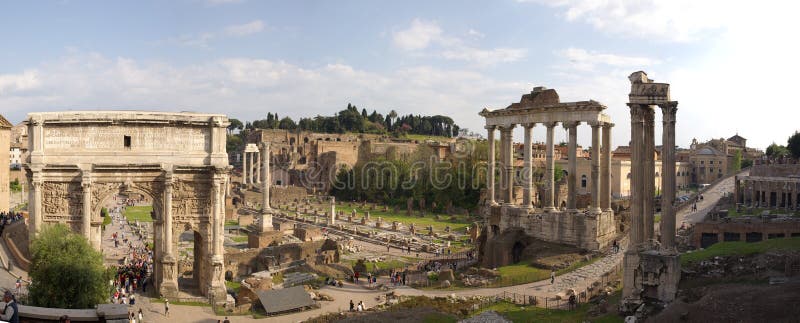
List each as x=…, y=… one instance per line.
x=710, y=198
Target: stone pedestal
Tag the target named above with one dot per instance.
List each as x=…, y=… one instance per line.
x=395, y=225
x=364, y=221
x=649, y=274
x=169, y=285
x=366, y=216
x=379, y=223
x=263, y=239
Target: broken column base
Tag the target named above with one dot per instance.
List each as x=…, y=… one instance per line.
x=649, y=276
x=263, y=239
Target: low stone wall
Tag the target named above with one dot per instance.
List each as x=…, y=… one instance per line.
x=16, y=238
x=738, y=230
x=103, y=313
x=286, y=194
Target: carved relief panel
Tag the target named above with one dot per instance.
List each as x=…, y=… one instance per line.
x=62, y=201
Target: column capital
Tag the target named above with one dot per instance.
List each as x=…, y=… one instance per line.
x=550, y=124
x=490, y=127
x=570, y=124
x=595, y=124
x=507, y=127
x=608, y=125
x=528, y=125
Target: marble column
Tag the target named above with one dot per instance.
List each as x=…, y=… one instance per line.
x=668, y=176
x=572, y=167
x=253, y=168
x=36, y=201
x=753, y=194
x=490, y=168
x=258, y=168
x=169, y=280
x=244, y=168
x=605, y=168
x=637, y=138
x=266, y=209
x=86, y=185
x=549, y=198
x=528, y=167
x=218, y=235
x=595, y=173
x=649, y=187
x=508, y=155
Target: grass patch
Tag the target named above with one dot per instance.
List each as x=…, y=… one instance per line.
x=106, y=220
x=439, y=318
x=425, y=137
x=460, y=223
x=740, y=248
x=231, y=222
x=277, y=278
x=239, y=239
x=140, y=213
x=161, y=300
x=523, y=273
x=233, y=285
x=518, y=313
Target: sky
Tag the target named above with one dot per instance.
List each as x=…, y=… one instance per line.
x=732, y=64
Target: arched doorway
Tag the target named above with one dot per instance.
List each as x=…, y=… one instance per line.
x=516, y=252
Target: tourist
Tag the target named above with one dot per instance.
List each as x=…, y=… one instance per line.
x=360, y=306
x=552, y=276
x=226, y=320
x=11, y=311
x=141, y=315
x=615, y=247
x=404, y=278
x=572, y=301
x=352, y=306
x=355, y=276
x=166, y=307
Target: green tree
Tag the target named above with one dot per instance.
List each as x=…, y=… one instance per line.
x=747, y=163
x=793, y=145
x=66, y=272
x=736, y=161
x=234, y=143
x=235, y=125
x=776, y=151
x=15, y=186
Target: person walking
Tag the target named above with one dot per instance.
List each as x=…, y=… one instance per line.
x=11, y=312
x=141, y=315
x=166, y=307
x=552, y=276
x=352, y=305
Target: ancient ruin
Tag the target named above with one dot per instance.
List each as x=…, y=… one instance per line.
x=510, y=226
x=651, y=269
x=80, y=160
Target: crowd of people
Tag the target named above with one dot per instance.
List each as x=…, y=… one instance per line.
x=134, y=273
x=7, y=218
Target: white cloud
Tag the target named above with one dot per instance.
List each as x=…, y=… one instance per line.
x=581, y=59
x=245, y=29
x=485, y=56
x=26, y=80
x=203, y=39
x=417, y=36
x=426, y=35
x=673, y=20
x=248, y=88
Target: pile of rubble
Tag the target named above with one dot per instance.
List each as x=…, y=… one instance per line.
x=478, y=277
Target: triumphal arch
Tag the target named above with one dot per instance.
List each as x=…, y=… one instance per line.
x=80, y=160
x=511, y=225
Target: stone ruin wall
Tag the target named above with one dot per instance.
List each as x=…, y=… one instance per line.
x=775, y=170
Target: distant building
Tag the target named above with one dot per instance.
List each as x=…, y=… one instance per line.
x=713, y=159
x=5, y=143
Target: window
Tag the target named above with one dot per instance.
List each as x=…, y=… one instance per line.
x=711, y=162
x=702, y=162
x=127, y=141
x=711, y=170
x=583, y=181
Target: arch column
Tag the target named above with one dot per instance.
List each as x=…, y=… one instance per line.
x=169, y=279
x=605, y=168
x=86, y=186
x=490, y=168
x=217, y=281
x=35, y=200
x=572, y=167
x=549, y=200
x=528, y=167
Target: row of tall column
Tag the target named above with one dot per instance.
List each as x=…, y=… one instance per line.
x=251, y=167
x=600, y=174
x=760, y=193
x=643, y=174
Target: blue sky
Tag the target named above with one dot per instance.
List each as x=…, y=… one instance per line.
x=731, y=64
